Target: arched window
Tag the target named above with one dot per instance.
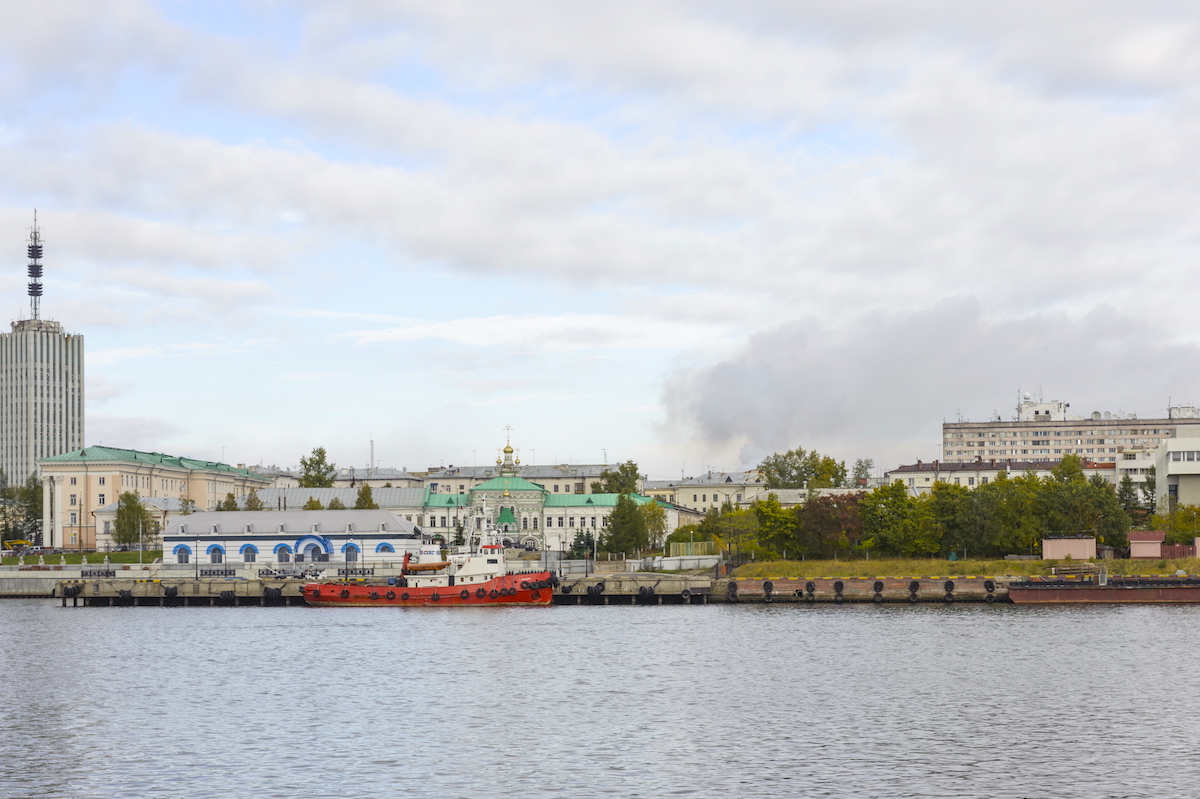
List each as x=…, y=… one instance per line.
x=216, y=554
x=283, y=553
x=351, y=553
x=525, y=523
x=249, y=553
x=385, y=547
x=183, y=554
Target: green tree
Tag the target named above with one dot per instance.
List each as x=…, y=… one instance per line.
x=899, y=524
x=316, y=470
x=254, y=503
x=624, y=480
x=626, y=531
x=952, y=506
x=1150, y=490
x=1181, y=524
x=133, y=520
x=365, y=499
x=861, y=473
x=800, y=468
x=776, y=526
x=336, y=504
x=582, y=546
x=655, y=516
x=229, y=503
x=187, y=506
x=313, y=504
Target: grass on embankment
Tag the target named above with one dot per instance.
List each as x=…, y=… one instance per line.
x=792, y=569
x=93, y=558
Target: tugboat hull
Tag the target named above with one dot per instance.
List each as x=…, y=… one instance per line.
x=508, y=589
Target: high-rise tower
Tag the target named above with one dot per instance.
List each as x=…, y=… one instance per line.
x=41, y=383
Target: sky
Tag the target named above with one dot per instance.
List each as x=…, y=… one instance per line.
x=686, y=234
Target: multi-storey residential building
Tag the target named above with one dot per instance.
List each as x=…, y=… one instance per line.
x=1045, y=431
x=77, y=484
x=1177, y=464
x=41, y=384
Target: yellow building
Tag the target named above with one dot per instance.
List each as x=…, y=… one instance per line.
x=77, y=484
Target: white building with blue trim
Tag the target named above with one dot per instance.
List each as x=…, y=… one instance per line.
x=299, y=536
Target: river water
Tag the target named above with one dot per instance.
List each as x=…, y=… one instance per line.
x=673, y=701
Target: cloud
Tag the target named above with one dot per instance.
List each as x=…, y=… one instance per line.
x=130, y=432
x=563, y=332
x=880, y=385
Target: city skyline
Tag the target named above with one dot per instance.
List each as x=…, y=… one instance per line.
x=659, y=232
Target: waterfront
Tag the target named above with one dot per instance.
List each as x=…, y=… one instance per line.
x=754, y=700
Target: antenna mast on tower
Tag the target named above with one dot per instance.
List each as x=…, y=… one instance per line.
x=35, y=268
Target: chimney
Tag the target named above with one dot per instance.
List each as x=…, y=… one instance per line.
x=918, y=463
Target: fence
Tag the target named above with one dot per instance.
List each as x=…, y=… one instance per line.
x=690, y=549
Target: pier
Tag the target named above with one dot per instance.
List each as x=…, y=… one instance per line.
x=632, y=588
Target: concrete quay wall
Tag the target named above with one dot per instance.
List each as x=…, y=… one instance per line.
x=862, y=589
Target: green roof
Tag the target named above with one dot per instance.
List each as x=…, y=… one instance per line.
x=506, y=517
x=508, y=483
x=136, y=456
x=590, y=500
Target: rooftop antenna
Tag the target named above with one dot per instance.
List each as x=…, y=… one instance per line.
x=35, y=268
x=605, y=451
x=371, y=465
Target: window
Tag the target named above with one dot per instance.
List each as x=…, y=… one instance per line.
x=74, y=518
x=694, y=498
x=182, y=556
x=72, y=481
x=571, y=522
x=579, y=488
x=703, y=498
x=525, y=523
x=556, y=488
x=108, y=528
x=983, y=480
x=100, y=499
x=74, y=500
x=956, y=481
x=739, y=496
x=560, y=521
x=249, y=556
x=216, y=556
x=910, y=481
x=534, y=522
x=351, y=554
x=100, y=480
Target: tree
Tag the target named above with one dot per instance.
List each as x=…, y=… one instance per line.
x=655, y=516
x=313, y=504
x=365, y=499
x=626, y=528
x=1150, y=489
x=582, y=546
x=336, y=504
x=828, y=526
x=800, y=468
x=861, y=473
x=187, y=506
x=1181, y=523
x=622, y=481
x=776, y=526
x=229, y=503
x=899, y=524
x=133, y=521
x=254, y=503
x=316, y=471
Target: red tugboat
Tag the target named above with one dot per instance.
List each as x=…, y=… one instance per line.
x=467, y=578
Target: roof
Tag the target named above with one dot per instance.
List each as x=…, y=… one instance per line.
x=508, y=483
x=1154, y=536
x=993, y=464
x=591, y=500
x=506, y=517
x=90, y=454
x=556, y=472
x=295, y=522
x=168, y=504
x=384, y=497
x=749, y=476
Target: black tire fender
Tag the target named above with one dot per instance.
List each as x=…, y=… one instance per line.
x=404, y=597
x=768, y=586
x=494, y=593
x=878, y=586
x=949, y=586
x=480, y=592
x=877, y=598
x=436, y=597
x=989, y=585
x=810, y=586
x=391, y=594
x=912, y=598
x=838, y=586
x=949, y=597
x=374, y=595
x=990, y=598
x=464, y=594
x=345, y=593
x=914, y=586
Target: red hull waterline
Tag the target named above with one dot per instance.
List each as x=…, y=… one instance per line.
x=1154, y=595
x=508, y=589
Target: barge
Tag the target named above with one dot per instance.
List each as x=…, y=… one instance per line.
x=1131, y=590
